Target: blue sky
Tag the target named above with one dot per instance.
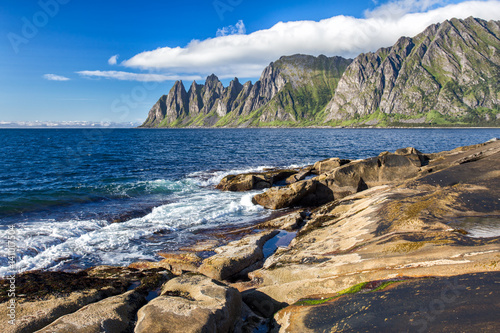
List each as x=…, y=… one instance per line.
x=93, y=60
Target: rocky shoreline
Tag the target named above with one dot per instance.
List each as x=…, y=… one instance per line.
x=368, y=245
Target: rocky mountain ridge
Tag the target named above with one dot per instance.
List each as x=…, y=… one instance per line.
x=447, y=75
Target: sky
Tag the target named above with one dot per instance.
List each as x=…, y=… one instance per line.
x=102, y=61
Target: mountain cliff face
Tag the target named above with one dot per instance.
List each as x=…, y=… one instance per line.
x=451, y=70
x=447, y=75
x=292, y=89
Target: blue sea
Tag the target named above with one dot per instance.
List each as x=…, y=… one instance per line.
x=62, y=189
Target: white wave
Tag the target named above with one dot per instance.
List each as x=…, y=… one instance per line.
x=52, y=244
x=151, y=186
x=210, y=178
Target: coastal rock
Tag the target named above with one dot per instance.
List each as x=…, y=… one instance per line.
x=42, y=297
x=287, y=196
x=301, y=175
x=250, y=322
x=261, y=303
x=289, y=222
x=113, y=314
x=463, y=303
x=253, y=181
x=34, y=315
x=328, y=165
x=342, y=181
x=234, y=257
x=145, y=265
x=181, y=262
x=404, y=228
x=377, y=171
x=191, y=303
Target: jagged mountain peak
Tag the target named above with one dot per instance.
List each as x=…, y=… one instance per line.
x=450, y=68
x=212, y=79
x=448, y=73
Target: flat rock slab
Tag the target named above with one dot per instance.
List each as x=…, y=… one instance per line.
x=50, y=295
x=234, y=257
x=191, y=303
x=465, y=303
x=113, y=314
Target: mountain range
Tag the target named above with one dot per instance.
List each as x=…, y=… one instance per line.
x=448, y=75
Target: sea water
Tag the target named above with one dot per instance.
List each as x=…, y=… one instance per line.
x=82, y=197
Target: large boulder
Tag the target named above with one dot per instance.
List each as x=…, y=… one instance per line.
x=253, y=181
x=328, y=165
x=343, y=181
x=113, y=314
x=191, y=303
x=301, y=175
x=291, y=195
x=236, y=256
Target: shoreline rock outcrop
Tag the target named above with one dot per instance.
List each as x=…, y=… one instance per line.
x=191, y=303
x=355, y=262
x=341, y=178
x=256, y=180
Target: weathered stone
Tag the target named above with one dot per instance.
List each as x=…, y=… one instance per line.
x=276, y=198
x=464, y=303
x=288, y=222
x=261, y=303
x=191, y=303
x=34, y=315
x=113, y=314
x=328, y=165
x=342, y=181
x=253, y=181
x=236, y=256
x=42, y=297
x=181, y=262
x=250, y=322
x=301, y=175
x=143, y=264
x=401, y=229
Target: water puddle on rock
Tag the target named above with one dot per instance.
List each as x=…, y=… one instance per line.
x=282, y=239
x=478, y=226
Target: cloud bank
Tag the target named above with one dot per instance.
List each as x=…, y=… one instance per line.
x=54, y=77
x=241, y=55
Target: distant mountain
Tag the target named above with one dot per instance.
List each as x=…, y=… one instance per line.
x=447, y=75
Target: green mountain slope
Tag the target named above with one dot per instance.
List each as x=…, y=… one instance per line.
x=448, y=75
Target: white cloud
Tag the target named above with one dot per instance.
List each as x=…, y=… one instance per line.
x=397, y=8
x=127, y=76
x=246, y=55
x=54, y=77
x=237, y=29
x=113, y=60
